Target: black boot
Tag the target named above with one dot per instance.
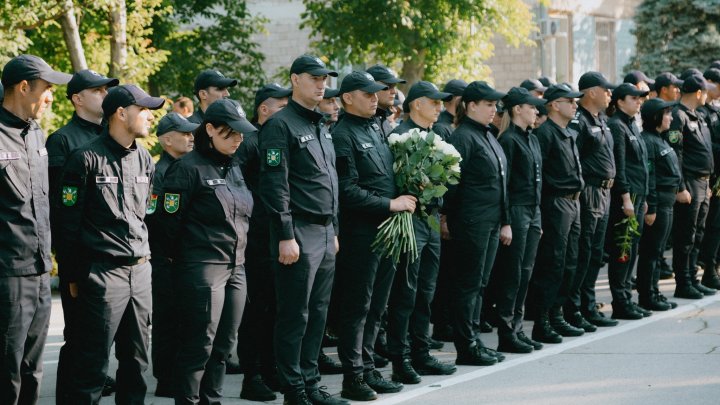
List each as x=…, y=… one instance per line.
x=254, y=389
x=356, y=389
x=525, y=339
x=511, y=344
x=403, y=372
x=326, y=365
x=563, y=328
x=577, y=320
x=543, y=332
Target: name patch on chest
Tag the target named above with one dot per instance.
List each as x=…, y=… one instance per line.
x=106, y=180
x=366, y=145
x=595, y=130
x=142, y=179
x=665, y=151
x=306, y=138
x=215, y=182
x=9, y=155
x=43, y=152
x=632, y=138
x=693, y=125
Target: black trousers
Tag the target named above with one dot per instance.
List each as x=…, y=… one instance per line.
x=213, y=299
x=302, y=292
x=114, y=304
x=513, y=267
x=652, y=246
x=711, y=240
x=477, y=245
x=619, y=268
x=594, y=209
x=165, y=332
x=409, y=308
x=441, y=304
x=65, y=357
x=688, y=229
x=24, y=318
x=556, y=261
x=363, y=280
x=255, y=335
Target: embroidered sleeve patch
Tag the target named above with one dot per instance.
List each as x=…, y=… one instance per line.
x=273, y=157
x=172, y=203
x=69, y=195
x=152, y=206
x=674, y=136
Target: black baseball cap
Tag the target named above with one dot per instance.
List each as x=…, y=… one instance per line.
x=666, y=79
x=272, y=90
x=424, y=89
x=31, y=67
x=561, y=90
x=88, y=79
x=456, y=87
x=715, y=64
x=312, y=65
x=211, y=77
x=175, y=122
x=533, y=85
x=712, y=74
x=693, y=83
x=636, y=76
x=360, y=81
x=480, y=90
x=331, y=93
x=627, y=89
x=689, y=72
x=651, y=107
x=593, y=79
x=521, y=95
x=384, y=74
x=546, y=81
x=229, y=112
x=126, y=95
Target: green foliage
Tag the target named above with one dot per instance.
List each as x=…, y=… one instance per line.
x=673, y=35
x=434, y=40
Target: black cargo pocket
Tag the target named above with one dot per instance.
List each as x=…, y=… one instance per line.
x=14, y=186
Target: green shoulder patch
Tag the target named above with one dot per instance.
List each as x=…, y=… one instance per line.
x=674, y=136
x=153, y=204
x=273, y=157
x=69, y=195
x=172, y=203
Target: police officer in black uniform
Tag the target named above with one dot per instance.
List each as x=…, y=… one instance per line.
x=25, y=232
x=628, y=197
x=534, y=86
x=477, y=217
x=595, y=144
x=174, y=134
x=386, y=98
x=101, y=204
x=86, y=91
x=445, y=124
x=367, y=197
x=408, y=329
x=664, y=183
x=210, y=85
x=298, y=184
x=204, y=222
x=255, y=335
x=560, y=208
x=690, y=137
x=514, y=263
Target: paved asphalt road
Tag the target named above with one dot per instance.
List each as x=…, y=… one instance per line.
x=669, y=358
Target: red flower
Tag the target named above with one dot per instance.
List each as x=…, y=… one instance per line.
x=623, y=259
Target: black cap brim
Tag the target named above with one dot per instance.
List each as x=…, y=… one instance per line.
x=374, y=88
x=152, y=103
x=109, y=82
x=55, y=77
x=331, y=93
x=322, y=72
x=443, y=96
x=187, y=127
x=535, y=101
x=393, y=80
x=242, y=126
x=224, y=82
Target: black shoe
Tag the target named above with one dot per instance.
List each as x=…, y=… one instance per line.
x=687, y=292
x=485, y=327
x=435, y=344
x=297, y=398
x=109, y=387
x=626, y=311
x=164, y=389
x=328, y=366
x=664, y=299
x=543, y=332
x=356, y=389
x=578, y=321
x=442, y=333
x=645, y=313
x=254, y=389
x=598, y=319
x=705, y=290
x=475, y=356
x=511, y=344
x=523, y=338
x=403, y=372
x=429, y=365
x=711, y=280
x=666, y=274
x=382, y=386
x=558, y=323
x=330, y=340
x=319, y=396
x=232, y=367
x=380, y=361
x=654, y=304
x=492, y=352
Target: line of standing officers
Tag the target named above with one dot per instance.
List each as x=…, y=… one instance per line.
x=238, y=212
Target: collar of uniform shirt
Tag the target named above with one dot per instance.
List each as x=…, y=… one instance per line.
x=624, y=117
x=476, y=124
x=588, y=114
x=13, y=120
x=311, y=115
x=116, y=147
x=85, y=123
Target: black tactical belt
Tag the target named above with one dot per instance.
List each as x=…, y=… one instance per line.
x=598, y=182
x=122, y=261
x=323, y=220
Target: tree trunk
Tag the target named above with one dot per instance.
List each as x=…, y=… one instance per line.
x=71, y=33
x=118, y=40
x=413, y=70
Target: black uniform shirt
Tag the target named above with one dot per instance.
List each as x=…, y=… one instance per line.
x=61, y=143
x=524, y=162
x=381, y=119
x=160, y=168
x=690, y=137
x=711, y=114
x=297, y=168
x=595, y=144
x=24, y=206
x=482, y=191
x=248, y=156
x=443, y=126
x=197, y=117
x=205, y=209
x=151, y=218
x=562, y=173
x=630, y=156
x=101, y=205
x=365, y=169
x=663, y=168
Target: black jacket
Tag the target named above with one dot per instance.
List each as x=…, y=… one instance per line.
x=524, y=162
x=663, y=168
x=711, y=115
x=444, y=125
x=562, y=172
x=690, y=137
x=630, y=156
x=595, y=144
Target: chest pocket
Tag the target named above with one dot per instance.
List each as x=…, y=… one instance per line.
x=141, y=191
x=107, y=190
x=634, y=142
x=568, y=156
x=670, y=160
x=367, y=159
x=10, y=184
x=309, y=159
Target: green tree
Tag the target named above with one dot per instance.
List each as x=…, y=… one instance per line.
x=431, y=40
x=673, y=35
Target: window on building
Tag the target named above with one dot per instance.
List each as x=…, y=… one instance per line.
x=555, y=47
x=605, y=48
